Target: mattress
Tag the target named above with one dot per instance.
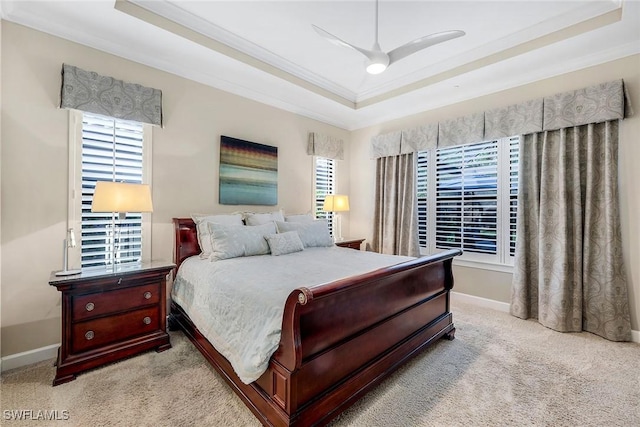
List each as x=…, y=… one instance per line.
x=238, y=303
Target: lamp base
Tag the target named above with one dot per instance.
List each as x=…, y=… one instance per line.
x=68, y=272
x=337, y=236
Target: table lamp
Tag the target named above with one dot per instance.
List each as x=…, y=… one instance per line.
x=120, y=198
x=336, y=203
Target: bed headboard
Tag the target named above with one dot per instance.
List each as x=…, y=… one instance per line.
x=186, y=240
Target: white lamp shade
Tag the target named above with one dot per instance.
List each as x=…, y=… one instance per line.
x=121, y=197
x=336, y=203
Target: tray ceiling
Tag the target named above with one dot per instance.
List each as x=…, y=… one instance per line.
x=268, y=51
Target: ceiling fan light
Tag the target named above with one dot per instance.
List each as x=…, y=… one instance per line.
x=376, y=67
x=378, y=61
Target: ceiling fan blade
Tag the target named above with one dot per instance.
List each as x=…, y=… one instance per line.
x=335, y=40
x=422, y=43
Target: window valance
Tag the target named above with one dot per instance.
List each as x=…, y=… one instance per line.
x=325, y=146
x=517, y=119
x=594, y=104
x=419, y=139
x=461, y=130
x=386, y=145
x=89, y=91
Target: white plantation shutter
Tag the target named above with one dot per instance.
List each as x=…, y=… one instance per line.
x=324, y=184
x=467, y=197
x=514, y=162
x=422, y=186
x=112, y=150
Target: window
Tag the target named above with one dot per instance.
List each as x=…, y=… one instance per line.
x=423, y=193
x=514, y=162
x=464, y=193
x=108, y=149
x=324, y=183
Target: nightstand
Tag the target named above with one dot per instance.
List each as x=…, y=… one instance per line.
x=350, y=243
x=108, y=315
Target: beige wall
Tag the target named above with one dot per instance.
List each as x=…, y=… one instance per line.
x=34, y=158
x=185, y=174
x=495, y=285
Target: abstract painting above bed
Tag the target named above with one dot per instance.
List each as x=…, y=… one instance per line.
x=248, y=173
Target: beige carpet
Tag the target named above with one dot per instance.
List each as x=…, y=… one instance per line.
x=499, y=371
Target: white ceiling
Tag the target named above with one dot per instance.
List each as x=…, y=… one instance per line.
x=268, y=51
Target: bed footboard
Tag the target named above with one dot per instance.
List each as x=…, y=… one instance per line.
x=371, y=324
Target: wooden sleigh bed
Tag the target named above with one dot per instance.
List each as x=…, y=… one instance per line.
x=338, y=339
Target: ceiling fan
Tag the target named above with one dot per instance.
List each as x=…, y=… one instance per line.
x=379, y=60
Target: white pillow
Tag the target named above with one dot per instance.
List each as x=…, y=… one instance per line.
x=254, y=218
x=231, y=241
x=284, y=243
x=201, y=220
x=299, y=218
x=312, y=234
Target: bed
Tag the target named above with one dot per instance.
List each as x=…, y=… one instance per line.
x=338, y=339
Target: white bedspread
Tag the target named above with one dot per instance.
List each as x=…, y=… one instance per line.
x=238, y=303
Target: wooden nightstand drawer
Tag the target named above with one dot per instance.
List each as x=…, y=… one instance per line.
x=99, y=332
x=98, y=304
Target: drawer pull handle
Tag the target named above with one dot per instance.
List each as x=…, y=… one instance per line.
x=90, y=306
x=89, y=335
x=119, y=280
x=147, y=320
x=147, y=295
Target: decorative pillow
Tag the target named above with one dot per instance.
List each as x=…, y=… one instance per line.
x=284, y=243
x=254, y=218
x=201, y=220
x=231, y=241
x=312, y=234
x=299, y=218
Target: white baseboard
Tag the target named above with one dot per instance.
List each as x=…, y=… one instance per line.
x=479, y=301
x=504, y=306
x=29, y=357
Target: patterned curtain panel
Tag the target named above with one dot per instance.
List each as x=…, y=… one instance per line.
x=91, y=92
x=568, y=270
x=386, y=145
x=593, y=104
x=463, y=130
x=518, y=119
x=395, y=228
x=325, y=146
x=419, y=139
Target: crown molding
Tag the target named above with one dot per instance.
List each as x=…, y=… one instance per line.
x=216, y=38
x=513, y=81
x=553, y=25
x=153, y=18
x=187, y=19
x=273, y=90
x=565, y=33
